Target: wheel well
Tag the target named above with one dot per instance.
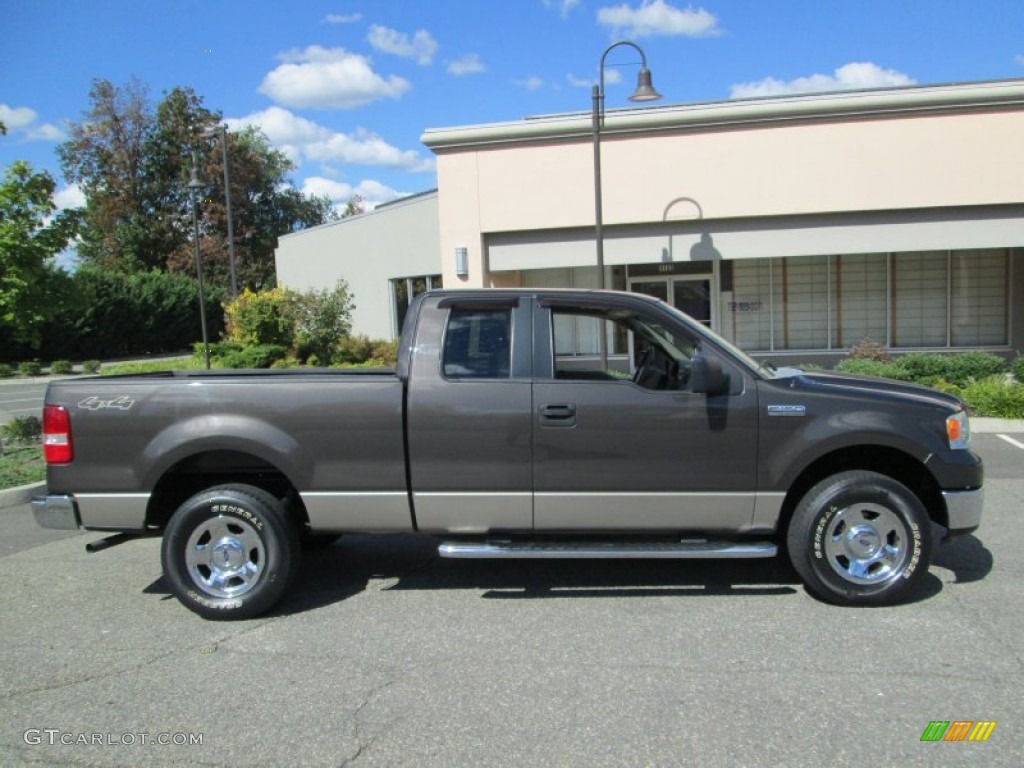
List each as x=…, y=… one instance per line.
x=892, y=462
x=212, y=468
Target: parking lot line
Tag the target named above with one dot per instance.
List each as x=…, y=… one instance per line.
x=1011, y=441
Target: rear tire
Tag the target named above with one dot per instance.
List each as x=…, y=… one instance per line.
x=230, y=552
x=860, y=538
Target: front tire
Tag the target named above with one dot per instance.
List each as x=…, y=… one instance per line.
x=860, y=538
x=230, y=552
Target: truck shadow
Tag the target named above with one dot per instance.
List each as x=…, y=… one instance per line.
x=410, y=562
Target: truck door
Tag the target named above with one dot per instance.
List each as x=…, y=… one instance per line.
x=469, y=415
x=621, y=441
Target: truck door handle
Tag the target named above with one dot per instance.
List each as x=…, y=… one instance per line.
x=562, y=415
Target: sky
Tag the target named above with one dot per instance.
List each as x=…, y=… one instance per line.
x=346, y=88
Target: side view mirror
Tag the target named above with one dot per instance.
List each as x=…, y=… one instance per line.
x=707, y=376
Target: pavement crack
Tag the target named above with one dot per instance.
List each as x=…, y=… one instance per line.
x=363, y=742
x=50, y=687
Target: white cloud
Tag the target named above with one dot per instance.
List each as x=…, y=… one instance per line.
x=421, y=46
x=469, y=64
x=611, y=77
x=328, y=78
x=564, y=6
x=21, y=121
x=852, y=76
x=338, y=18
x=301, y=139
x=70, y=196
x=45, y=132
x=16, y=117
x=373, y=192
x=656, y=17
x=531, y=83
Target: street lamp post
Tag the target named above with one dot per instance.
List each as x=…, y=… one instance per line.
x=222, y=131
x=194, y=185
x=644, y=92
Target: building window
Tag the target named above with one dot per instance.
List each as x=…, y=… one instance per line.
x=405, y=289
x=918, y=299
x=912, y=300
x=979, y=284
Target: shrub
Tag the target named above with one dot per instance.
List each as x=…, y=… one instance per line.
x=30, y=368
x=868, y=367
x=384, y=353
x=25, y=429
x=261, y=318
x=113, y=314
x=964, y=367
x=61, y=367
x=994, y=396
x=6, y=371
x=257, y=356
x=322, y=319
x=353, y=350
x=867, y=349
x=91, y=367
x=1017, y=368
x=285, y=362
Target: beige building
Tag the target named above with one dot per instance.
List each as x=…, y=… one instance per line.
x=795, y=226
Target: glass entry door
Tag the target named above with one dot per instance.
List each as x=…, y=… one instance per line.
x=690, y=294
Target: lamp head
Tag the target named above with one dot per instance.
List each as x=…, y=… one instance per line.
x=644, y=90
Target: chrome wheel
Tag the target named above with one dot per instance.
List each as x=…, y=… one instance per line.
x=225, y=556
x=867, y=544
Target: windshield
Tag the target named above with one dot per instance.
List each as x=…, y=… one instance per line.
x=739, y=354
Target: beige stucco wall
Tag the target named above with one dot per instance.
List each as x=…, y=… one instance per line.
x=368, y=251
x=904, y=158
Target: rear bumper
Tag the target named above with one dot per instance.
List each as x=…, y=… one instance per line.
x=57, y=511
x=964, y=510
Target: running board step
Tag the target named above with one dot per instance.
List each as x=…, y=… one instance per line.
x=572, y=550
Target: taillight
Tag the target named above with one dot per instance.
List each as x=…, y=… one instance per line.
x=57, y=448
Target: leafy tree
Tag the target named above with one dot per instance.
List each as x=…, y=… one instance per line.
x=355, y=206
x=105, y=156
x=30, y=238
x=133, y=161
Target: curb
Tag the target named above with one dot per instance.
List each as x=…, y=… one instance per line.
x=13, y=497
x=986, y=425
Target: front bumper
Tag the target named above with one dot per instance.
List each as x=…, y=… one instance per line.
x=57, y=511
x=963, y=509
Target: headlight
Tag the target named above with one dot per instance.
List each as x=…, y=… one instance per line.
x=958, y=430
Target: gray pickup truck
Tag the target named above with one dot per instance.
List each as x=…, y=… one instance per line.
x=518, y=424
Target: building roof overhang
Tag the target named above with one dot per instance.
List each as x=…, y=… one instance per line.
x=949, y=98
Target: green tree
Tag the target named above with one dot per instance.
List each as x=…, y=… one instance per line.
x=31, y=236
x=355, y=206
x=105, y=156
x=322, y=319
x=133, y=161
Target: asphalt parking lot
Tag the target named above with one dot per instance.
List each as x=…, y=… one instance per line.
x=387, y=655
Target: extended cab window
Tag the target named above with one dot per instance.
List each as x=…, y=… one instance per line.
x=636, y=348
x=478, y=344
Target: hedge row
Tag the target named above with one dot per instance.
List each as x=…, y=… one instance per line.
x=929, y=368
x=988, y=384
x=111, y=314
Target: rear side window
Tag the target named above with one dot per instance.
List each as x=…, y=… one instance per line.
x=478, y=344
